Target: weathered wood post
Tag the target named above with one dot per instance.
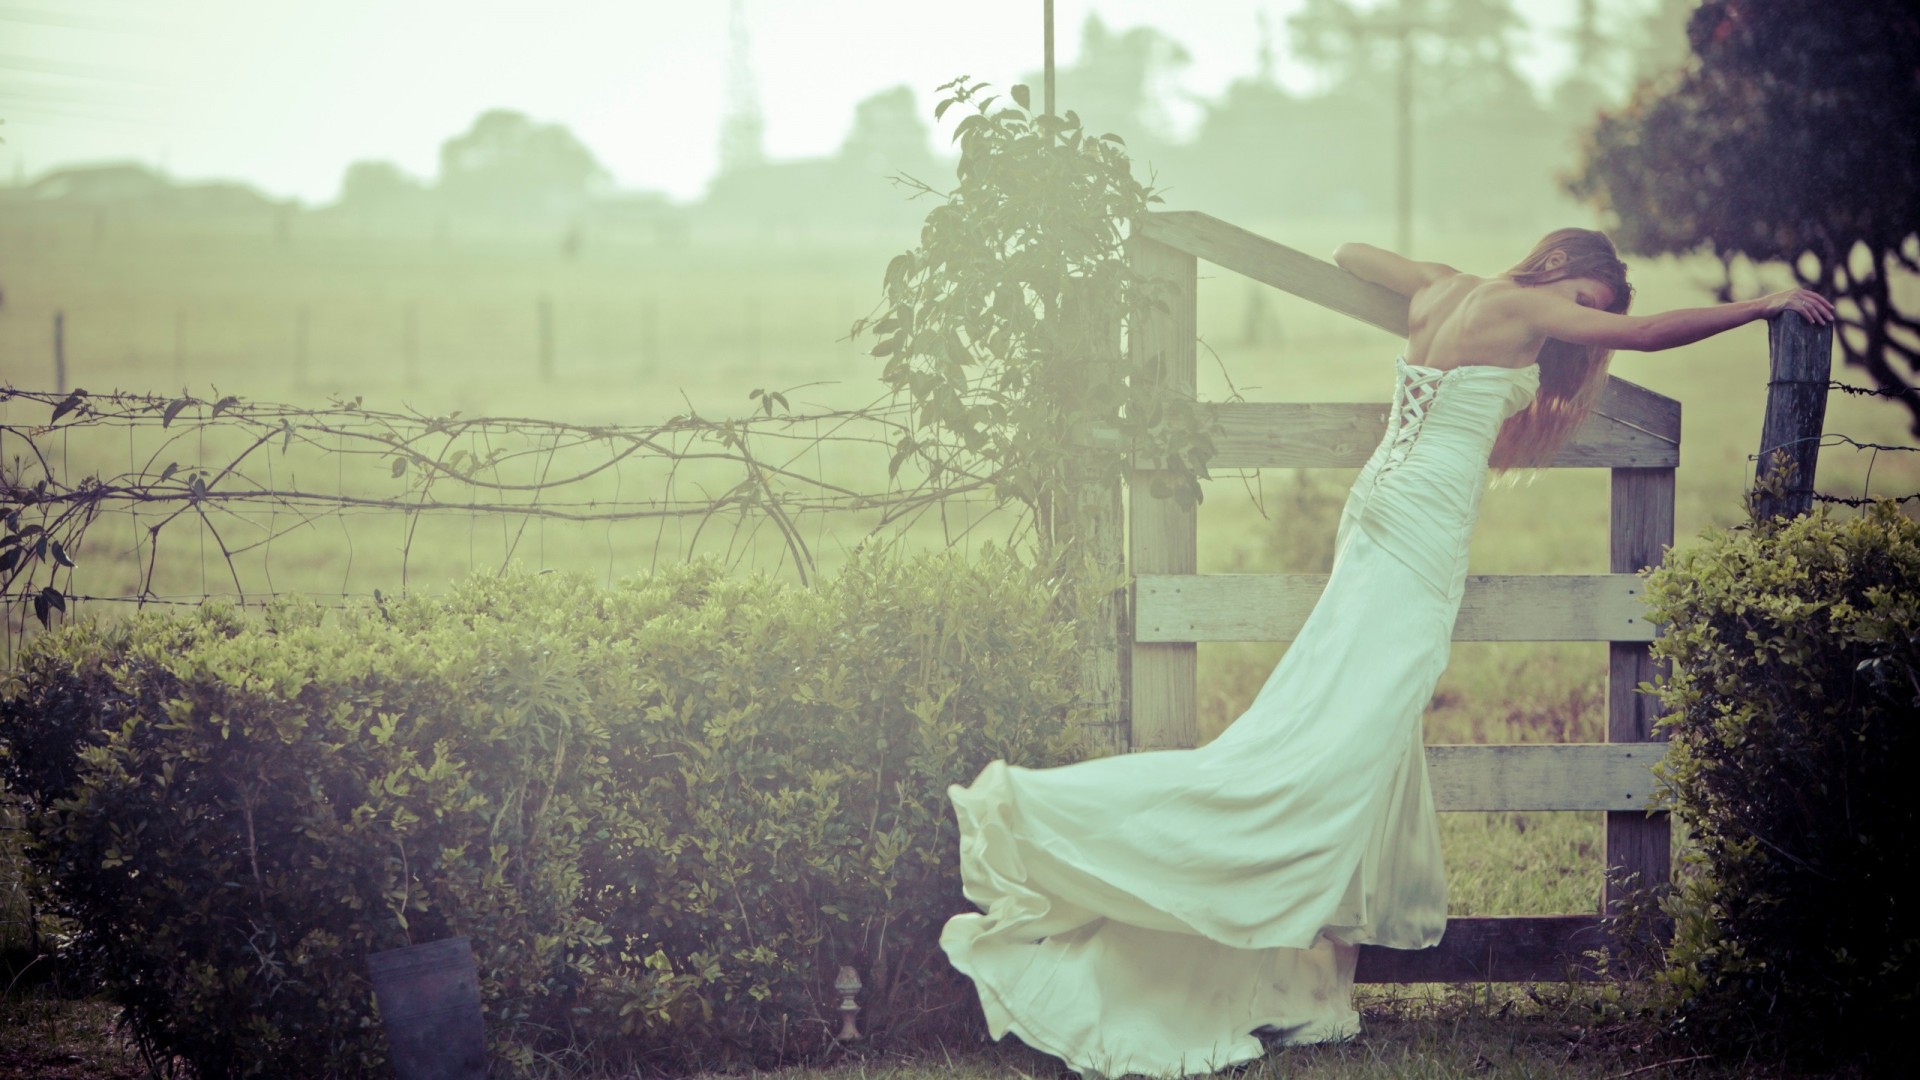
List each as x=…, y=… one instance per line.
x=300, y=323
x=1800, y=360
x=546, y=337
x=59, y=352
x=649, y=336
x=1639, y=843
x=1098, y=528
x=1165, y=535
x=1095, y=553
x=410, y=345
x=753, y=333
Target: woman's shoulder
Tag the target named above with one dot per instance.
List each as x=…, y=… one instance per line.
x=1443, y=295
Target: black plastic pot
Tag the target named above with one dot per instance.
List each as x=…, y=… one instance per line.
x=429, y=999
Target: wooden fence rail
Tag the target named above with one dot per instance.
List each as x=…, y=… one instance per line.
x=1633, y=432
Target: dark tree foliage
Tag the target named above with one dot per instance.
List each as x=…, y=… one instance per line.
x=1792, y=135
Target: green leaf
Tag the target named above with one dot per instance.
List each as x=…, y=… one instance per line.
x=48, y=598
x=167, y=473
x=902, y=450
x=72, y=402
x=399, y=465
x=1022, y=95
x=898, y=268
x=941, y=109
x=225, y=403
x=964, y=126
x=10, y=559
x=173, y=410
x=60, y=555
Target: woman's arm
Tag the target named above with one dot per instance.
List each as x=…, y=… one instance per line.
x=1383, y=267
x=1555, y=316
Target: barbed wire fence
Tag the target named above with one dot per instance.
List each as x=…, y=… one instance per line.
x=1794, y=430
x=241, y=478
x=1831, y=439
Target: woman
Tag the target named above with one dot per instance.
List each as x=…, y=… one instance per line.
x=1148, y=913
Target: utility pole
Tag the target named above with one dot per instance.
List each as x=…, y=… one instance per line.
x=1400, y=24
x=1049, y=56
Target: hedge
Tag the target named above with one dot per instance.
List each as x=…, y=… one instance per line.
x=666, y=811
x=1794, y=699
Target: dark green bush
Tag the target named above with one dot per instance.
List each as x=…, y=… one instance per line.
x=666, y=811
x=1793, y=699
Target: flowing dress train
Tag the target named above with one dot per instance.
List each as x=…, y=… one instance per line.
x=1147, y=912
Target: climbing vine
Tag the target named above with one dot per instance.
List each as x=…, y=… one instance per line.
x=1005, y=326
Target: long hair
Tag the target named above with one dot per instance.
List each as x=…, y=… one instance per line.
x=1571, y=376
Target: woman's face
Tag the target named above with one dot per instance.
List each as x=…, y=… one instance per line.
x=1585, y=291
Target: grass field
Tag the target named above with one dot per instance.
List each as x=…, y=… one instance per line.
x=642, y=333
x=1497, y=1032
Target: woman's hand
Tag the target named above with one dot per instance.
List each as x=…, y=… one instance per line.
x=1811, y=305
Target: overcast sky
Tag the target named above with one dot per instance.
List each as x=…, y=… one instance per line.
x=285, y=93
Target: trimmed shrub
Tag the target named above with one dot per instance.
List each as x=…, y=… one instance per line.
x=1793, y=699
x=666, y=812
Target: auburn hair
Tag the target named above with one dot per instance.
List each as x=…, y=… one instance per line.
x=1571, y=376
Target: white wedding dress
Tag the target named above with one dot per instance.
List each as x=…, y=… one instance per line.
x=1145, y=913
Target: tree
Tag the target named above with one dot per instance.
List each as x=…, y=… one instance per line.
x=887, y=136
x=1431, y=86
x=380, y=185
x=1586, y=86
x=506, y=161
x=1118, y=82
x=1793, y=138
x=1463, y=50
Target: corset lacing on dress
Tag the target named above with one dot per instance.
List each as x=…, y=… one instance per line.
x=1412, y=398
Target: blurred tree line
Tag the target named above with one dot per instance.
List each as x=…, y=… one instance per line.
x=1486, y=145
x=1486, y=148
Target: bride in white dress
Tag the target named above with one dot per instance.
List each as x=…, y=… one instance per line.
x=1147, y=913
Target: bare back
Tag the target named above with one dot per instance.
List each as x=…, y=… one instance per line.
x=1457, y=321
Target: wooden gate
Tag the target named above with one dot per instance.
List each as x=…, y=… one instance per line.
x=1633, y=432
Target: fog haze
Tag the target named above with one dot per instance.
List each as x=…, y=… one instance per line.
x=284, y=95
